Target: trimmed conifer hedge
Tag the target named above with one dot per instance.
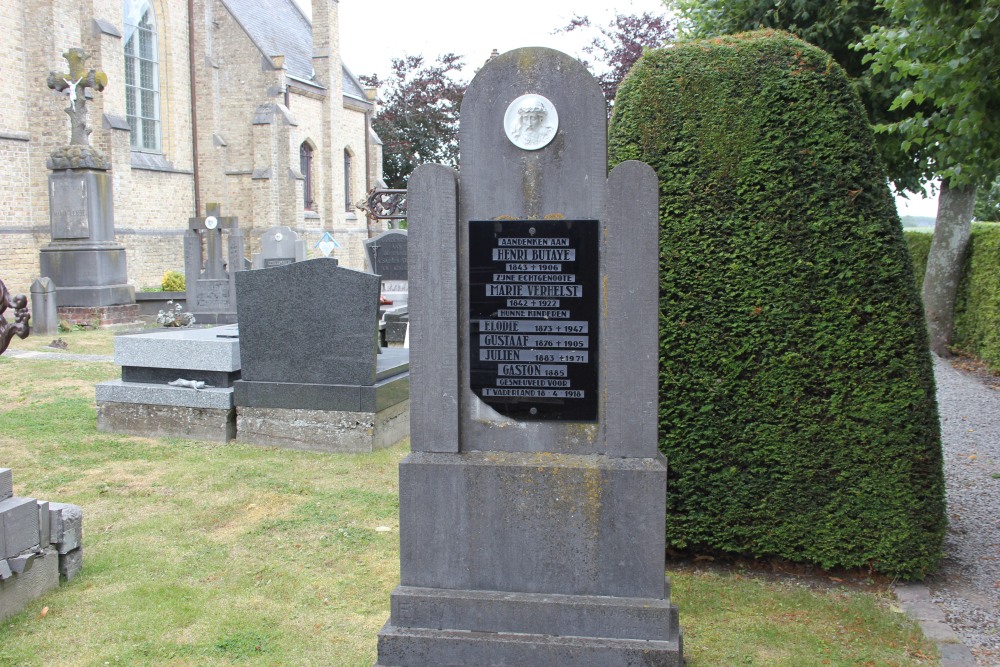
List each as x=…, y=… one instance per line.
x=977, y=308
x=797, y=407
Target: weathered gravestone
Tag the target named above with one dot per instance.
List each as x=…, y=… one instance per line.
x=210, y=278
x=312, y=378
x=279, y=246
x=83, y=260
x=387, y=257
x=532, y=504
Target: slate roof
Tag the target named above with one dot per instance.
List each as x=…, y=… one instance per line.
x=277, y=27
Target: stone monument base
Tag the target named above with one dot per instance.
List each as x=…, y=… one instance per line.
x=559, y=565
x=325, y=417
x=154, y=410
x=324, y=430
x=102, y=316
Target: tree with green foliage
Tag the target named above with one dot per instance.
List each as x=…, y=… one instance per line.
x=987, y=207
x=948, y=55
x=620, y=43
x=797, y=406
x=417, y=119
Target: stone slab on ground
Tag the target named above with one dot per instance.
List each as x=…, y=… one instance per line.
x=167, y=421
x=418, y=647
x=119, y=391
x=206, y=349
x=6, y=483
x=916, y=601
x=18, y=591
x=323, y=430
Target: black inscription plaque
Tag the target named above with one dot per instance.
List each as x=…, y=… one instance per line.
x=533, y=307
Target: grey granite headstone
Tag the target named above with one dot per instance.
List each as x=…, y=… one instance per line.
x=533, y=537
x=312, y=378
x=311, y=322
x=279, y=246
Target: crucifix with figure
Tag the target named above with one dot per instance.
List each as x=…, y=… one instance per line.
x=76, y=82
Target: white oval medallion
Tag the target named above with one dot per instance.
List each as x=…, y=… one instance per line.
x=531, y=122
x=211, y=222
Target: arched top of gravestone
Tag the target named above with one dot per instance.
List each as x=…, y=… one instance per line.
x=533, y=138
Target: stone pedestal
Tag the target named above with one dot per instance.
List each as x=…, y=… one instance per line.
x=83, y=260
x=532, y=506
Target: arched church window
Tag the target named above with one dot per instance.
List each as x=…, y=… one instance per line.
x=348, y=179
x=305, y=166
x=142, y=83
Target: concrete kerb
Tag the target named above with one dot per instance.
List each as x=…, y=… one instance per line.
x=916, y=601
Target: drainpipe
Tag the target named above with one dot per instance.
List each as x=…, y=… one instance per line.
x=368, y=168
x=194, y=111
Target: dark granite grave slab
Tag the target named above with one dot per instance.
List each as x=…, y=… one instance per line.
x=166, y=375
x=310, y=322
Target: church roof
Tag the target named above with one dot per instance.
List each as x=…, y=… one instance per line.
x=278, y=28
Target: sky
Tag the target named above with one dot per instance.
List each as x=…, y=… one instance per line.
x=370, y=39
x=372, y=34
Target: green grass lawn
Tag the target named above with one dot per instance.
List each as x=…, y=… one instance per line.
x=207, y=554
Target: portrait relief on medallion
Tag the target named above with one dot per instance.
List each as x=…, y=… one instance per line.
x=531, y=122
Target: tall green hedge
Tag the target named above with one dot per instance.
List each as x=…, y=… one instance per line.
x=797, y=407
x=977, y=309
x=919, y=244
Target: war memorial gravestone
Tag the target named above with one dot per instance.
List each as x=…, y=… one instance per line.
x=532, y=503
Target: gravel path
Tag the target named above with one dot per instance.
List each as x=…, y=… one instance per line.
x=968, y=585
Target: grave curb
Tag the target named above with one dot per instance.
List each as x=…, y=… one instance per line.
x=916, y=601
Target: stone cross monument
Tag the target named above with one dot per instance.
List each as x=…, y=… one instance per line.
x=83, y=260
x=79, y=153
x=532, y=504
x=210, y=277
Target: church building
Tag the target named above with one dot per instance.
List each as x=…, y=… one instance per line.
x=244, y=103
